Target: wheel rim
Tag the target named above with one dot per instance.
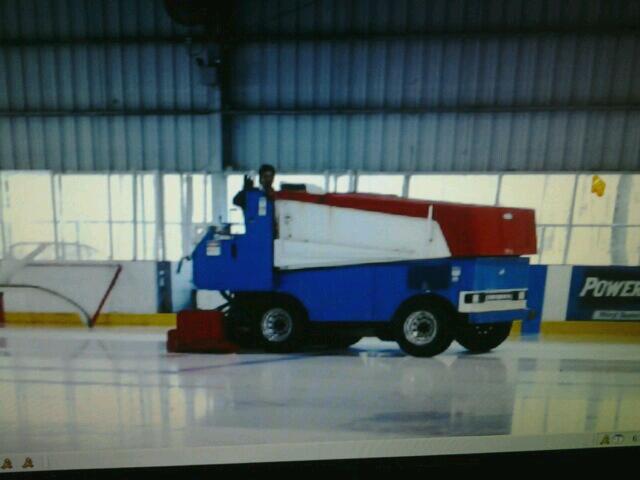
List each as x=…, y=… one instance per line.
x=276, y=325
x=421, y=328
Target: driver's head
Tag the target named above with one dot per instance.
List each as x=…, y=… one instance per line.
x=267, y=174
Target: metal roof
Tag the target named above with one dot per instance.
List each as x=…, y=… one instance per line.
x=402, y=85
x=442, y=142
x=462, y=85
x=402, y=16
x=118, y=88
x=60, y=20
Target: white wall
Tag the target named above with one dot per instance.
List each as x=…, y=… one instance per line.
x=134, y=292
x=556, y=293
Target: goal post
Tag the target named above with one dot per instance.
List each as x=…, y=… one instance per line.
x=48, y=292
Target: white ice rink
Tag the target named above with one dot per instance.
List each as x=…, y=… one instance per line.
x=75, y=390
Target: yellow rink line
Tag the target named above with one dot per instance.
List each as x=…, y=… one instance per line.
x=582, y=328
x=516, y=329
x=591, y=329
x=61, y=319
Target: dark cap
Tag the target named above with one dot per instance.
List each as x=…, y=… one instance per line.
x=266, y=168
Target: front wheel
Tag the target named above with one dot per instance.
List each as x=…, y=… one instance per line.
x=280, y=327
x=423, y=329
x=482, y=337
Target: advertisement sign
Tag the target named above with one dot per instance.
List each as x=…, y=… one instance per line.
x=604, y=294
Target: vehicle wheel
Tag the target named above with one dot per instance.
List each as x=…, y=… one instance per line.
x=239, y=325
x=482, y=337
x=281, y=327
x=423, y=329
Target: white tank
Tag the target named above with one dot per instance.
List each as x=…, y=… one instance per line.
x=315, y=235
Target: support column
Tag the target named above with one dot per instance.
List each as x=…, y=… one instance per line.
x=353, y=181
x=406, y=179
x=187, y=215
x=621, y=217
x=565, y=255
x=226, y=28
x=160, y=249
x=219, y=196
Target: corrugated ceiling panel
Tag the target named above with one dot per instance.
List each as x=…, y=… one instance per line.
x=503, y=70
x=118, y=77
x=557, y=62
x=127, y=76
x=100, y=77
x=439, y=72
x=181, y=143
x=364, y=16
x=487, y=72
x=73, y=19
x=540, y=141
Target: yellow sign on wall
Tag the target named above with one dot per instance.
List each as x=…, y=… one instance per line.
x=598, y=186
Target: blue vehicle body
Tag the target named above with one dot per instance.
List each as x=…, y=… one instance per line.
x=367, y=293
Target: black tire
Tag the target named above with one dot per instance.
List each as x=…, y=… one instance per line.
x=423, y=328
x=484, y=337
x=239, y=325
x=386, y=335
x=280, y=326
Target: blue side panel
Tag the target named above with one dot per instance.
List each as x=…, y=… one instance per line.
x=239, y=262
x=340, y=294
x=500, y=273
x=365, y=293
x=535, y=300
x=395, y=283
x=373, y=293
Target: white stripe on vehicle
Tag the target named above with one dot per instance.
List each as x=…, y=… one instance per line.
x=321, y=235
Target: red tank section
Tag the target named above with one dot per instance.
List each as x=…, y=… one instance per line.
x=470, y=230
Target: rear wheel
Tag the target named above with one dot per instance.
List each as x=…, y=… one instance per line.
x=423, y=328
x=482, y=337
